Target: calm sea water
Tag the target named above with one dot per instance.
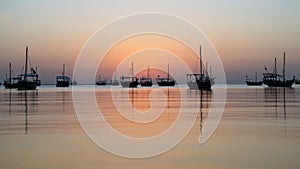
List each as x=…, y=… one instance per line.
x=260, y=128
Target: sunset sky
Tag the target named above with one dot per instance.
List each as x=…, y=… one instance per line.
x=246, y=34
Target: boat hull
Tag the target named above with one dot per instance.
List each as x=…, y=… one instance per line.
x=100, y=83
x=146, y=84
x=26, y=85
x=130, y=84
x=171, y=83
x=192, y=85
x=288, y=83
x=63, y=84
x=204, y=85
x=199, y=85
x=254, y=83
x=114, y=83
x=10, y=85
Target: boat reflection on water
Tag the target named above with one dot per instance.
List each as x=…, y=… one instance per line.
x=62, y=97
x=276, y=97
x=29, y=100
x=36, y=111
x=147, y=112
x=204, y=97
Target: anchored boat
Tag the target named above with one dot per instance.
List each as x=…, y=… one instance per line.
x=253, y=82
x=199, y=81
x=101, y=82
x=165, y=81
x=130, y=81
x=275, y=79
x=146, y=81
x=11, y=82
x=63, y=81
x=28, y=81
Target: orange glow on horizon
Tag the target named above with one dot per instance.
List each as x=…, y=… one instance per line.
x=150, y=42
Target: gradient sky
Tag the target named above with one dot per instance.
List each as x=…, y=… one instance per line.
x=246, y=34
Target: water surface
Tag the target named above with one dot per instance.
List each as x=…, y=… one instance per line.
x=260, y=128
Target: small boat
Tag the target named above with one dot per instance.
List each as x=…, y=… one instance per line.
x=199, y=81
x=297, y=81
x=63, y=81
x=130, y=81
x=28, y=81
x=165, y=81
x=114, y=82
x=277, y=80
x=11, y=82
x=253, y=82
x=146, y=81
x=101, y=82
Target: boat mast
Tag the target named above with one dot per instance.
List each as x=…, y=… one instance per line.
x=275, y=67
x=132, y=70
x=25, y=75
x=168, y=73
x=36, y=75
x=200, y=61
x=115, y=74
x=63, y=72
x=255, y=76
x=148, y=72
x=283, y=72
x=200, y=65
x=9, y=72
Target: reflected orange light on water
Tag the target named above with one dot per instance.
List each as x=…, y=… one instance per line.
x=140, y=102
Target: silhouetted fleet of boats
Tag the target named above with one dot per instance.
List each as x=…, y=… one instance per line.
x=29, y=78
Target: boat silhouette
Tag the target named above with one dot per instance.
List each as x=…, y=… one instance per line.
x=62, y=81
x=275, y=79
x=130, y=81
x=146, y=81
x=11, y=82
x=28, y=81
x=101, y=82
x=250, y=82
x=199, y=81
x=165, y=81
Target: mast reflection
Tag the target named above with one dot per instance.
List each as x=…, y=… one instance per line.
x=204, y=99
x=277, y=98
x=29, y=99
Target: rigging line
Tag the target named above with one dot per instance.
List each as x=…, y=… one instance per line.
x=29, y=61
